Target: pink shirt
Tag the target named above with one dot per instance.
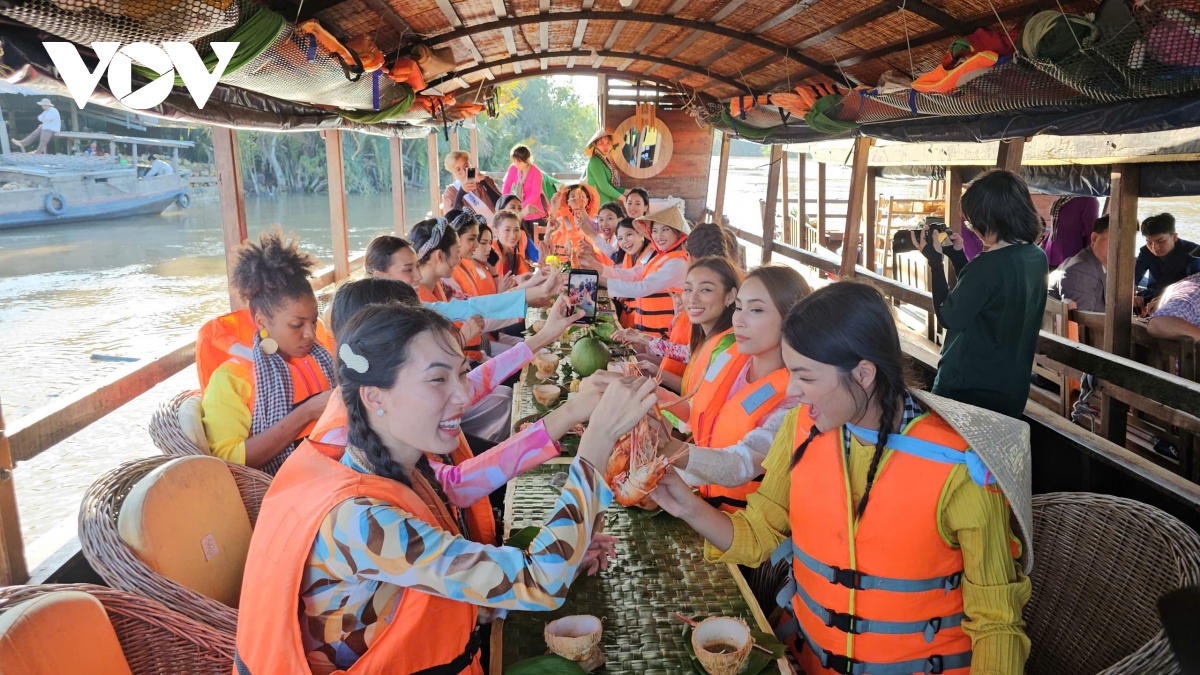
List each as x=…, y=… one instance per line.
x=531, y=194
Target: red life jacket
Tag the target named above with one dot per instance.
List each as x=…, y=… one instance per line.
x=425, y=631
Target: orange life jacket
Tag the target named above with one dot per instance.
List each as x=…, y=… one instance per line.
x=680, y=334
x=721, y=420
x=942, y=80
x=424, y=632
x=653, y=313
x=474, y=278
x=704, y=360
x=522, y=267
x=628, y=263
x=330, y=437
x=884, y=590
x=472, y=350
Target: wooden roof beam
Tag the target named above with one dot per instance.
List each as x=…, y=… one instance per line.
x=927, y=11
x=391, y=18
x=544, y=30
x=602, y=54
x=562, y=70
x=614, y=34
x=512, y=22
x=653, y=33
x=456, y=23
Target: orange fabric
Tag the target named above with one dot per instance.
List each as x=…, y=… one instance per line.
x=475, y=278
x=628, y=263
x=722, y=420
x=63, y=631
x=653, y=313
x=943, y=81
x=232, y=335
x=697, y=366
x=325, y=39
x=473, y=349
x=523, y=266
x=897, y=537
x=406, y=71
x=680, y=334
x=368, y=53
x=425, y=630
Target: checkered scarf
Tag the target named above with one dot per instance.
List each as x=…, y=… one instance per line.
x=273, y=394
x=912, y=410
x=612, y=169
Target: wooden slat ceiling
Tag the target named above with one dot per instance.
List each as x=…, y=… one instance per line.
x=721, y=47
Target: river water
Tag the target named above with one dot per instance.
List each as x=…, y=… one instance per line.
x=127, y=288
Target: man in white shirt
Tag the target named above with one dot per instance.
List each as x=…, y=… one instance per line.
x=50, y=123
x=158, y=168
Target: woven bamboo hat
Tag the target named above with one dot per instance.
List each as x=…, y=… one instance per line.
x=672, y=217
x=600, y=133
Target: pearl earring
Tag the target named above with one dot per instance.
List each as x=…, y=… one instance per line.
x=379, y=412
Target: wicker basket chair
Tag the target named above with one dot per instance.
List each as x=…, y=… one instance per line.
x=1100, y=565
x=166, y=431
x=154, y=638
x=121, y=568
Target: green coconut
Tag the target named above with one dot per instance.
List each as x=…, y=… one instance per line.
x=589, y=355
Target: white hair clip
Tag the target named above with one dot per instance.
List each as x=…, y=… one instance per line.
x=353, y=361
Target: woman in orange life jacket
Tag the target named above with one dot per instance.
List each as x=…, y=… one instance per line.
x=648, y=287
x=265, y=397
x=437, y=246
x=510, y=248
x=472, y=274
x=371, y=578
x=637, y=203
x=742, y=399
x=633, y=249
x=605, y=237
x=892, y=505
x=573, y=227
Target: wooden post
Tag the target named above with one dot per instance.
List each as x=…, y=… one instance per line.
x=337, y=204
x=12, y=548
x=602, y=101
x=722, y=175
x=872, y=222
x=821, y=239
x=768, y=224
x=953, y=210
x=801, y=201
x=396, y=154
x=1010, y=155
x=1118, y=293
x=435, y=190
x=228, y=160
x=475, y=148
x=783, y=182
x=4, y=135
x=453, y=139
x=854, y=206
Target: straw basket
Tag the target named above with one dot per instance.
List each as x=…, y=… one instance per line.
x=165, y=430
x=120, y=568
x=153, y=638
x=1102, y=562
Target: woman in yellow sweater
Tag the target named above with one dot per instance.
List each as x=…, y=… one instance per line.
x=892, y=506
x=274, y=381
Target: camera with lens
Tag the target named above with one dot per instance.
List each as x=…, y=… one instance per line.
x=902, y=241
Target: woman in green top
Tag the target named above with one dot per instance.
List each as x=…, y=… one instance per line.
x=601, y=172
x=993, y=315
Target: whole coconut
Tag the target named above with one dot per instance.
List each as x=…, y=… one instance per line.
x=589, y=355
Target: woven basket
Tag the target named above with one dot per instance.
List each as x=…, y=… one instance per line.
x=120, y=568
x=165, y=431
x=1102, y=562
x=154, y=638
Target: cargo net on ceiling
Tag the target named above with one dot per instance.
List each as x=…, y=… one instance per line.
x=125, y=21
x=1121, y=52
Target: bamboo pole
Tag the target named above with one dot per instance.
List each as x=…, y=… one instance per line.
x=228, y=160
x=768, y=224
x=13, y=569
x=722, y=176
x=435, y=190
x=854, y=207
x=1118, y=300
x=396, y=154
x=337, y=204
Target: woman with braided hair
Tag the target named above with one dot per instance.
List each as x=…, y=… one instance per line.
x=265, y=371
x=360, y=563
x=892, y=506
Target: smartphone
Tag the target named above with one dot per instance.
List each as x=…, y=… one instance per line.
x=471, y=173
x=583, y=289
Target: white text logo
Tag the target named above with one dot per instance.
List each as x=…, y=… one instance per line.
x=118, y=60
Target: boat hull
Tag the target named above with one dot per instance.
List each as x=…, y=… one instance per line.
x=89, y=201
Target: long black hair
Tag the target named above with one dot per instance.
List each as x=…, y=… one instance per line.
x=842, y=325
x=272, y=270
x=382, y=336
x=620, y=256
x=360, y=293
x=425, y=230
x=730, y=279
x=709, y=239
x=380, y=252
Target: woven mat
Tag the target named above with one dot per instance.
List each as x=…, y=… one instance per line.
x=659, y=569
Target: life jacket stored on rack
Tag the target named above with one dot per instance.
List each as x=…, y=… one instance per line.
x=892, y=563
x=474, y=278
x=425, y=633
x=720, y=420
x=473, y=350
x=330, y=437
x=653, y=313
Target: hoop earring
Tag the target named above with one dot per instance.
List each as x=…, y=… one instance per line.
x=266, y=343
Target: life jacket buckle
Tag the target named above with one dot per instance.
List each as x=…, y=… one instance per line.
x=931, y=629
x=953, y=581
x=839, y=664
x=848, y=578
x=847, y=623
x=934, y=665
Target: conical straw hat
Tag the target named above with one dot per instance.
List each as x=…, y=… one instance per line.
x=600, y=133
x=672, y=217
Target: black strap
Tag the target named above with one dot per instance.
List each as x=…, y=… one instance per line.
x=722, y=500
x=454, y=667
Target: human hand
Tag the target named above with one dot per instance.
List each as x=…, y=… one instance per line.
x=601, y=548
x=591, y=390
x=673, y=495
x=1152, y=306
x=624, y=403
x=631, y=336
x=527, y=280
x=920, y=238
x=587, y=259
x=957, y=240
x=648, y=367
x=470, y=184
x=471, y=329
x=1139, y=305
x=506, y=283
x=314, y=407
x=541, y=294
x=559, y=319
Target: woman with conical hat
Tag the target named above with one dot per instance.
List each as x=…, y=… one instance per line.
x=601, y=172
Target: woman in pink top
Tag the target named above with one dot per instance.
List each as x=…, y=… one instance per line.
x=525, y=181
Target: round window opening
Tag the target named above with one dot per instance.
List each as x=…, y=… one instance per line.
x=645, y=148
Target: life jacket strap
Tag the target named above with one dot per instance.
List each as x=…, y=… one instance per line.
x=930, y=451
x=849, y=623
x=934, y=664
x=869, y=582
x=454, y=667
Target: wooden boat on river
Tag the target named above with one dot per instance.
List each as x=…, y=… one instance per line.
x=1116, y=523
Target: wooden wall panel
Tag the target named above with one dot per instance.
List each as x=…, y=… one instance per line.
x=686, y=176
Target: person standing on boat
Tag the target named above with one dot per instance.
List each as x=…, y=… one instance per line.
x=601, y=173
x=892, y=506
x=50, y=123
x=469, y=190
x=276, y=367
x=377, y=575
x=993, y=315
x=524, y=180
